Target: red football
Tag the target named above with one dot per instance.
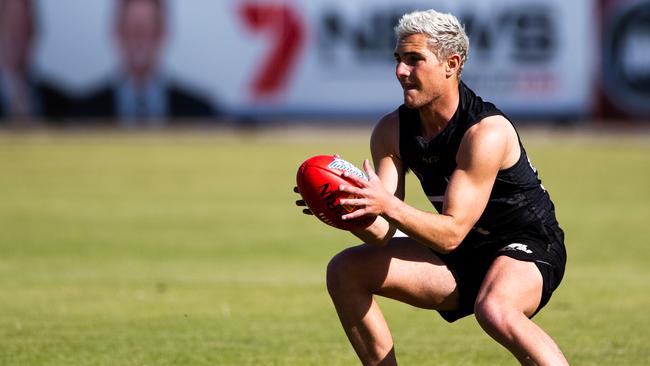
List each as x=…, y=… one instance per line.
x=318, y=180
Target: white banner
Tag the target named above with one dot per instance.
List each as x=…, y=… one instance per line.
x=335, y=58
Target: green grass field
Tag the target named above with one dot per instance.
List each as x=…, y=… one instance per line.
x=187, y=249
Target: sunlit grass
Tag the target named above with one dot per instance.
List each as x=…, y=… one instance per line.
x=186, y=249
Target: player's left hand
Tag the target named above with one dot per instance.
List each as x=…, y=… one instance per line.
x=373, y=199
x=302, y=203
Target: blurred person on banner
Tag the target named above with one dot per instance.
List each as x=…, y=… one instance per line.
x=140, y=94
x=24, y=95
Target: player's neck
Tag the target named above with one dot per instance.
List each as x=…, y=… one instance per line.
x=436, y=115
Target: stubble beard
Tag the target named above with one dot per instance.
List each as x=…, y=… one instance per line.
x=415, y=102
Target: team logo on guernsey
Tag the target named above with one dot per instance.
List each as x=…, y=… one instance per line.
x=431, y=159
x=340, y=164
x=517, y=246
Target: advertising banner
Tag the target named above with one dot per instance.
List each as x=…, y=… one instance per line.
x=265, y=59
x=626, y=58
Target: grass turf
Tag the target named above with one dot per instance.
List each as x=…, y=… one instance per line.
x=150, y=249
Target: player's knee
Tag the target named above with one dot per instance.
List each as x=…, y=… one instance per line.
x=341, y=271
x=494, y=316
x=336, y=271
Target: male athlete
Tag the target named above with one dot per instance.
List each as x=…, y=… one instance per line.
x=495, y=249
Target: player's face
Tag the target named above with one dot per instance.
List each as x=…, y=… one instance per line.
x=418, y=70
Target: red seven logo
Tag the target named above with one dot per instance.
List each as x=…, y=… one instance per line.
x=283, y=26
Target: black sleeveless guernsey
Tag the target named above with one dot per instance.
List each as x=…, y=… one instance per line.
x=518, y=199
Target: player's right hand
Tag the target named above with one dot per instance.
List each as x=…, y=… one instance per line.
x=301, y=203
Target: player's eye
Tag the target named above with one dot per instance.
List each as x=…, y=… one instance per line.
x=411, y=60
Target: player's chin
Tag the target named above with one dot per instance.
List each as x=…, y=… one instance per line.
x=411, y=100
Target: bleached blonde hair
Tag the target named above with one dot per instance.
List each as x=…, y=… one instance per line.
x=446, y=35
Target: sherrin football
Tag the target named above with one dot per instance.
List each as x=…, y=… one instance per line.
x=318, y=181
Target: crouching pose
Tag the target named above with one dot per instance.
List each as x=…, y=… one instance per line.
x=494, y=249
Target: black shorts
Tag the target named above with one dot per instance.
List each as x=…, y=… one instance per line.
x=543, y=245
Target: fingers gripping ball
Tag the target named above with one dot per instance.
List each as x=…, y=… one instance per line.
x=318, y=180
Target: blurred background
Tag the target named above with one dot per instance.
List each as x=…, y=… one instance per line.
x=160, y=62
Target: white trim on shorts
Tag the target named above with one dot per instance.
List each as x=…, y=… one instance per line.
x=399, y=234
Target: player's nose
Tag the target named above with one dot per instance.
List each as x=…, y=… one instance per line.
x=402, y=71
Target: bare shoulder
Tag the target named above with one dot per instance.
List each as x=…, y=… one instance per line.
x=492, y=128
x=385, y=135
x=492, y=136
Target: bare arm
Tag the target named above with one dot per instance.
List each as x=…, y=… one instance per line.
x=486, y=148
x=384, y=147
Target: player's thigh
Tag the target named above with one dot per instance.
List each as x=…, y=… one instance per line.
x=512, y=284
x=403, y=270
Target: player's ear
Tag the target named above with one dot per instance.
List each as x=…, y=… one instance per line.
x=452, y=65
